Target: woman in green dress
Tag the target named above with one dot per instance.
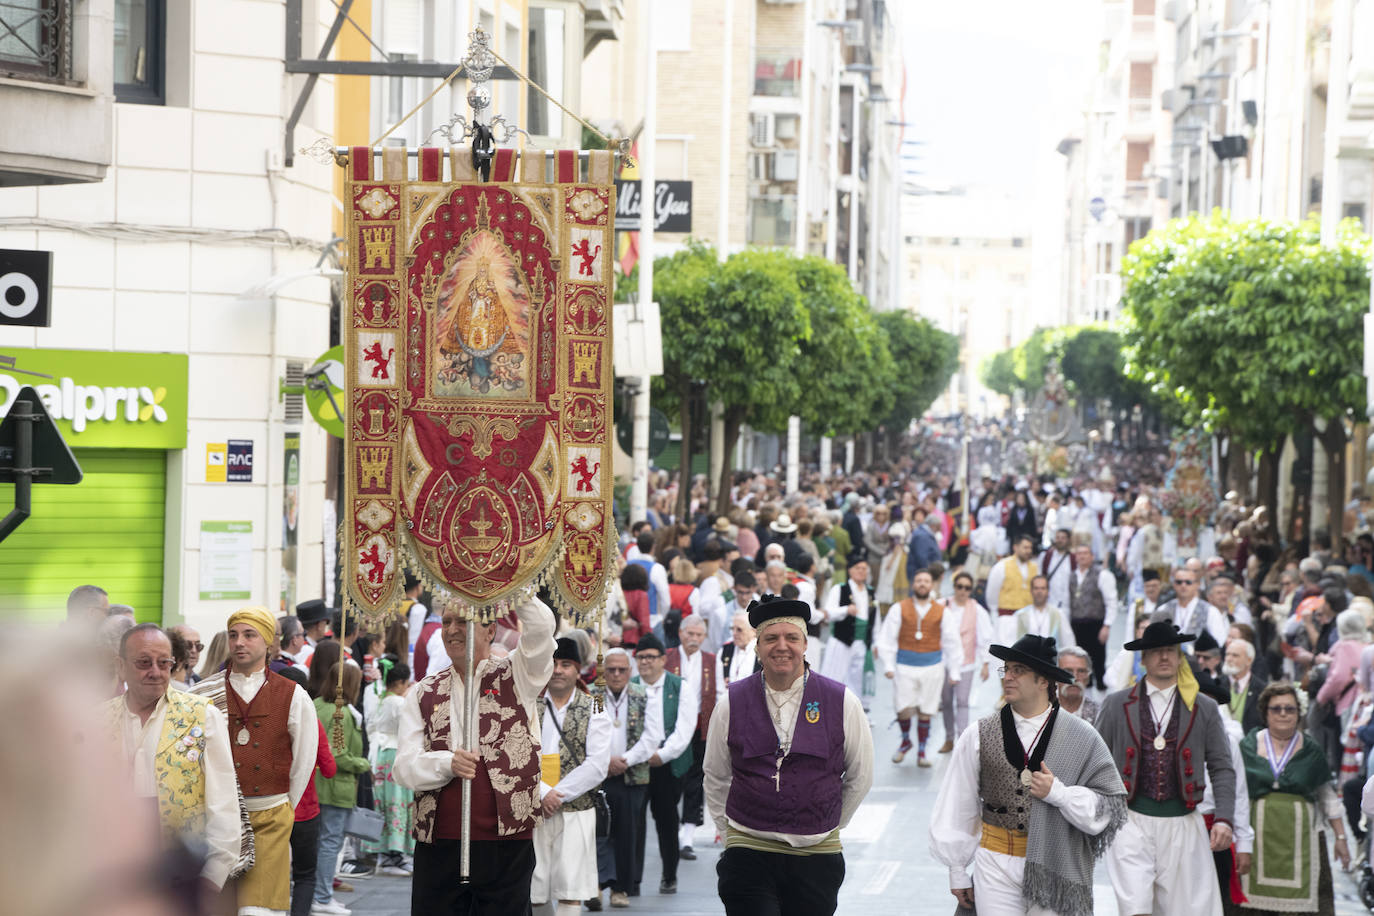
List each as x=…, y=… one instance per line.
x=1292, y=797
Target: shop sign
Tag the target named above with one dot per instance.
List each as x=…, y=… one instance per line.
x=104, y=399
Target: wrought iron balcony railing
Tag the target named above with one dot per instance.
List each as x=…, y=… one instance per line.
x=36, y=39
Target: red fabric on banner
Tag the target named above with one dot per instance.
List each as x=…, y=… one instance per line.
x=503, y=169
x=361, y=160
x=431, y=164
x=567, y=166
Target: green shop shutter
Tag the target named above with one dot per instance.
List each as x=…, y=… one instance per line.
x=105, y=531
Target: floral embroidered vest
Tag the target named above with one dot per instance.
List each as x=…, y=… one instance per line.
x=178, y=764
x=636, y=703
x=572, y=747
x=508, y=775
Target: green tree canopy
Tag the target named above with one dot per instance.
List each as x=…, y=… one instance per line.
x=998, y=373
x=925, y=359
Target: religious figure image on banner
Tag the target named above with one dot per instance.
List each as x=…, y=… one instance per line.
x=482, y=340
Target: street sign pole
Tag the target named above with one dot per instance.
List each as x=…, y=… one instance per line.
x=23, y=472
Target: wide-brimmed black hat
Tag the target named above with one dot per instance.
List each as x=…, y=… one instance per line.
x=771, y=606
x=313, y=611
x=568, y=650
x=1206, y=642
x=1159, y=635
x=1039, y=653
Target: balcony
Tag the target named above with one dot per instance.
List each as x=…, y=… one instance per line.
x=1134, y=41
x=56, y=91
x=602, y=20
x=1139, y=123
x=777, y=72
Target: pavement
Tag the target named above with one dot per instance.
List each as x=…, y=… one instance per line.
x=890, y=871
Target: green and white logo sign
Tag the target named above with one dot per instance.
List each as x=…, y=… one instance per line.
x=102, y=399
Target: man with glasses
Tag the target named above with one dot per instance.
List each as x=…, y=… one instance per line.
x=920, y=650
x=1031, y=797
x=975, y=627
x=193, y=649
x=737, y=659
x=719, y=633
x=677, y=710
x=1164, y=736
x=1189, y=612
x=636, y=733
x=176, y=747
x=1073, y=697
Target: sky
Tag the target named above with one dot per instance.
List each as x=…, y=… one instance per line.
x=992, y=85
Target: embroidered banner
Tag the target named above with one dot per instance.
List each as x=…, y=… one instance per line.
x=479, y=379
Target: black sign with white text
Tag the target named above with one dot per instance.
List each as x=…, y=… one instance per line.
x=672, y=206
x=25, y=288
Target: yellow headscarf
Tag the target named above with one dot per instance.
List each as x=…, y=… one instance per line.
x=1187, y=681
x=259, y=618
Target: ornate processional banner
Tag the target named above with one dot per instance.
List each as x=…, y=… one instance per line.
x=478, y=348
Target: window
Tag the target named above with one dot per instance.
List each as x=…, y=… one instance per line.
x=777, y=72
x=35, y=39
x=139, y=51
x=546, y=36
x=772, y=221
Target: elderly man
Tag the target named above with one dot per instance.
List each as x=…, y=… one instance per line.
x=275, y=735
x=177, y=748
x=503, y=769
x=636, y=733
x=701, y=678
x=920, y=648
x=576, y=754
x=670, y=761
x=737, y=659
x=1030, y=799
x=1164, y=735
x=1246, y=686
x=194, y=647
x=853, y=615
x=1188, y=611
x=1073, y=697
x=1092, y=605
x=88, y=605
x=1040, y=618
x=291, y=641
x=789, y=757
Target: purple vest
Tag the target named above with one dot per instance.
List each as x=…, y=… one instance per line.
x=808, y=799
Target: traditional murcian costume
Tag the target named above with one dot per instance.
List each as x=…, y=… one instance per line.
x=1029, y=855
x=851, y=636
x=1162, y=739
x=785, y=771
x=505, y=791
x=274, y=735
x=921, y=646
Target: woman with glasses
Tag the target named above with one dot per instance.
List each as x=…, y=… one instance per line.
x=974, y=625
x=1291, y=797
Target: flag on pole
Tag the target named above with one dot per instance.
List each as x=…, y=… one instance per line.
x=627, y=243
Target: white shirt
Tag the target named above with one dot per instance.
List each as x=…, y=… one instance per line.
x=688, y=705
x=984, y=632
x=956, y=824
x=384, y=725
x=438, y=655
x=691, y=673
x=415, y=622
x=806, y=591
x=1216, y=624
x=301, y=724
x=1161, y=703
x=588, y=774
x=717, y=770
x=658, y=578
x=649, y=739
x=531, y=664
x=718, y=630
x=140, y=746
x=1240, y=820
x=951, y=641
x=741, y=665
x=1040, y=622
x=1058, y=567
x=857, y=596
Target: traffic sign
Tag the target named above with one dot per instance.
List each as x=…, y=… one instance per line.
x=658, y=433
x=25, y=288
x=51, y=460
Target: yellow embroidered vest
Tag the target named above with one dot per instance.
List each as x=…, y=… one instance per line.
x=1015, y=587
x=179, y=762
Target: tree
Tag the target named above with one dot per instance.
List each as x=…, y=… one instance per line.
x=1254, y=329
x=737, y=328
x=998, y=373
x=925, y=358
x=846, y=362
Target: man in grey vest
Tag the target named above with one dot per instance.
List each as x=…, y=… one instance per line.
x=1031, y=797
x=1189, y=611
x=1092, y=603
x=576, y=751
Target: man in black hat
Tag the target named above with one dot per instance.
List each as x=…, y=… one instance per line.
x=853, y=617
x=789, y=757
x=575, y=755
x=314, y=616
x=1164, y=735
x=1031, y=797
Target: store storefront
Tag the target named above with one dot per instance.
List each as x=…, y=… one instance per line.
x=121, y=413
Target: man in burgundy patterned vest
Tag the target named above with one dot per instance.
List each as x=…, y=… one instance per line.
x=697, y=669
x=503, y=769
x=789, y=758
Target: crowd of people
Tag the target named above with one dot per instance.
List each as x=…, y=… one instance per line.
x=1217, y=762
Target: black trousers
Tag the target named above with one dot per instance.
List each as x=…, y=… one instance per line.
x=752, y=883
x=501, y=874
x=693, y=797
x=1085, y=633
x=305, y=847
x=664, y=791
x=627, y=829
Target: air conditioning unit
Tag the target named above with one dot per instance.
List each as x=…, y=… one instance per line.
x=760, y=166
x=785, y=126
x=786, y=165
x=1171, y=100
x=762, y=130
x=1173, y=11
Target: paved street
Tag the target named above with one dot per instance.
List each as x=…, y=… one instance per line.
x=890, y=870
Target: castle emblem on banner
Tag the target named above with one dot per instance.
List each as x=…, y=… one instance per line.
x=479, y=379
